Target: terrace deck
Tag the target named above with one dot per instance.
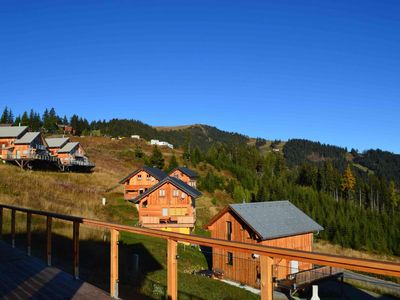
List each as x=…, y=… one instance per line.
x=24, y=277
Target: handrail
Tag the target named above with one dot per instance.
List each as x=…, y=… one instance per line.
x=358, y=264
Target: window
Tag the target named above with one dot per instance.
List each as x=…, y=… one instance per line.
x=229, y=230
x=175, y=193
x=230, y=259
x=162, y=193
x=141, y=191
x=148, y=177
x=183, y=196
x=139, y=177
x=144, y=204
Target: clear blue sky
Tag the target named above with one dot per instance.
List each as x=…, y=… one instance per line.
x=321, y=70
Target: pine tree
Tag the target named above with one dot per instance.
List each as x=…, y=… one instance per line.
x=173, y=163
x=393, y=195
x=25, y=119
x=348, y=182
x=156, y=158
x=4, y=116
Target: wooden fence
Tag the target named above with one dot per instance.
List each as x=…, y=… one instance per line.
x=267, y=254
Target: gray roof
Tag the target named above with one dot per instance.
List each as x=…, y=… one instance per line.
x=155, y=172
x=56, y=142
x=175, y=181
x=27, y=138
x=12, y=131
x=68, y=147
x=187, y=171
x=275, y=219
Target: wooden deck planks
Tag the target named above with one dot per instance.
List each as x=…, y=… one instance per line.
x=24, y=277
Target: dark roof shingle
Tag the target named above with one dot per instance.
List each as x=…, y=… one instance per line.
x=155, y=172
x=187, y=171
x=275, y=219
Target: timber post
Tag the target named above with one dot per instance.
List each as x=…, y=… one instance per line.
x=267, y=291
x=28, y=233
x=13, y=228
x=172, y=270
x=75, y=252
x=48, y=233
x=1, y=223
x=114, y=264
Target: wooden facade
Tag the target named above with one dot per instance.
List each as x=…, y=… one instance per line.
x=177, y=173
x=138, y=183
x=245, y=268
x=168, y=207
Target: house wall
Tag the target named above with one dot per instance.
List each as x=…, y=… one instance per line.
x=182, y=176
x=245, y=268
x=171, y=212
x=134, y=184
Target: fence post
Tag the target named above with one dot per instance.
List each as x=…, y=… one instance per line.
x=28, y=233
x=266, y=263
x=114, y=264
x=1, y=223
x=172, y=270
x=48, y=230
x=13, y=228
x=75, y=253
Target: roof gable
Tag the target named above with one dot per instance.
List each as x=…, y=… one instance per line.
x=155, y=172
x=12, y=131
x=174, y=181
x=272, y=219
x=186, y=171
x=27, y=138
x=68, y=147
x=57, y=142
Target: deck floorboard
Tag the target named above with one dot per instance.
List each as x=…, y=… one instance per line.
x=23, y=277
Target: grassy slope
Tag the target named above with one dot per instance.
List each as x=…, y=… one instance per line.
x=80, y=194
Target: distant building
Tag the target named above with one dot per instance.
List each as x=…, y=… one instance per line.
x=135, y=136
x=67, y=129
x=274, y=223
x=186, y=175
x=161, y=143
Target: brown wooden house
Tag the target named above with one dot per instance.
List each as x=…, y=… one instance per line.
x=73, y=156
x=169, y=205
x=274, y=223
x=186, y=175
x=30, y=145
x=55, y=144
x=141, y=180
x=8, y=135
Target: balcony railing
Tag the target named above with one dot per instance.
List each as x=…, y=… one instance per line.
x=267, y=254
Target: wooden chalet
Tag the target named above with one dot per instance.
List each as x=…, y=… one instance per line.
x=186, y=175
x=141, y=180
x=55, y=144
x=8, y=135
x=276, y=224
x=169, y=205
x=73, y=156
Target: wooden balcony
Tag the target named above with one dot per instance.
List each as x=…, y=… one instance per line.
x=171, y=221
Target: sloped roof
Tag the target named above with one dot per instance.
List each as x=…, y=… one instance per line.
x=27, y=138
x=155, y=172
x=273, y=219
x=186, y=171
x=68, y=147
x=56, y=142
x=176, y=182
x=12, y=131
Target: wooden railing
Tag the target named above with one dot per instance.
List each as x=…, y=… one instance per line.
x=317, y=273
x=266, y=253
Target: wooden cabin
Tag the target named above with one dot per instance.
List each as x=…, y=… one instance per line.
x=30, y=145
x=72, y=154
x=8, y=135
x=55, y=144
x=186, y=175
x=169, y=205
x=274, y=223
x=141, y=180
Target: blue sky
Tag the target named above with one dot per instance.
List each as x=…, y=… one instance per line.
x=321, y=70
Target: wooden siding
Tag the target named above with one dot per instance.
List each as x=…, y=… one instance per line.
x=246, y=268
x=182, y=176
x=169, y=208
x=134, y=184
